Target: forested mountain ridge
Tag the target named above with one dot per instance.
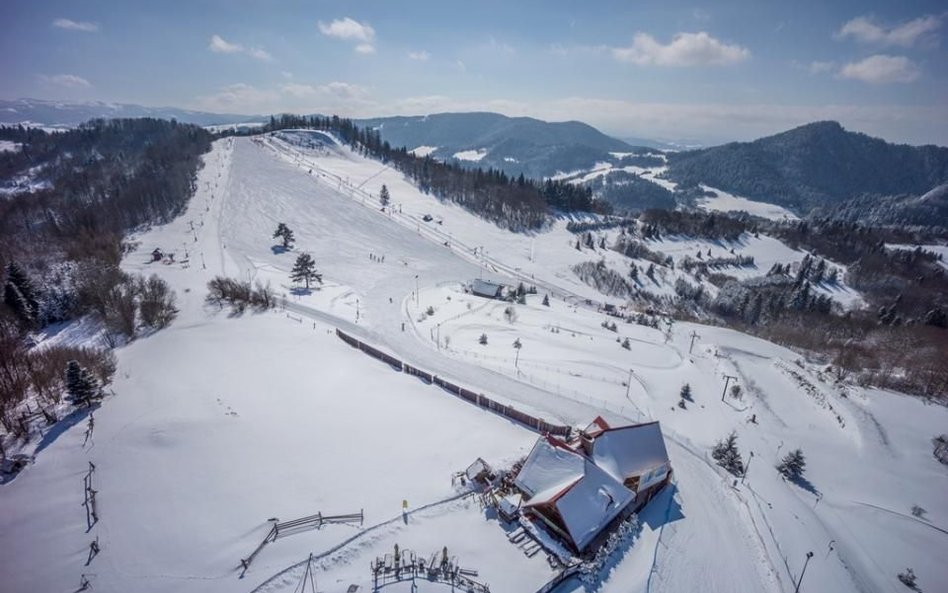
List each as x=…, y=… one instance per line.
x=66, y=114
x=818, y=164
x=513, y=144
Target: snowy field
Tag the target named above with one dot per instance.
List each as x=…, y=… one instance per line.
x=721, y=202
x=221, y=422
x=941, y=250
x=726, y=202
x=8, y=146
x=473, y=155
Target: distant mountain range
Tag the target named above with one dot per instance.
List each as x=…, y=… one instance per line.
x=816, y=165
x=69, y=114
x=514, y=144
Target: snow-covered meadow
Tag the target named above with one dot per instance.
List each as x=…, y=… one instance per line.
x=219, y=423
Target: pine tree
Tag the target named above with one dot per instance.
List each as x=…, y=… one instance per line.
x=81, y=384
x=793, y=465
x=726, y=454
x=686, y=392
x=17, y=303
x=482, y=340
x=304, y=270
x=384, y=196
x=909, y=579
x=546, y=300
x=284, y=232
x=26, y=304
x=650, y=272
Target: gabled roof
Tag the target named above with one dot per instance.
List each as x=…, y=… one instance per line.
x=582, y=494
x=585, y=496
x=591, y=503
x=549, y=464
x=630, y=450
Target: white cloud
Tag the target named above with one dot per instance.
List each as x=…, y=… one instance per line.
x=421, y=56
x=344, y=90
x=66, y=80
x=908, y=34
x=336, y=89
x=71, y=25
x=685, y=49
x=239, y=98
x=220, y=46
x=348, y=29
x=881, y=69
x=297, y=97
x=578, y=50
x=821, y=67
x=259, y=54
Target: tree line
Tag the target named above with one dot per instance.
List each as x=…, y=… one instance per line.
x=60, y=244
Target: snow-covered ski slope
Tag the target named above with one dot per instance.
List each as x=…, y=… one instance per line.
x=220, y=423
x=542, y=258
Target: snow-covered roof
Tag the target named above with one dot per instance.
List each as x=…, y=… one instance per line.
x=475, y=469
x=630, y=451
x=485, y=287
x=591, y=503
x=586, y=497
x=589, y=491
x=548, y=466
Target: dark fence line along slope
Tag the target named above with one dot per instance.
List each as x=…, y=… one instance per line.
x=478, y=399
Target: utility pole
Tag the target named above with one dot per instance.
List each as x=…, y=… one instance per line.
x=802, y=572
x=747, y=469
x=694, y=335
x=727, y=379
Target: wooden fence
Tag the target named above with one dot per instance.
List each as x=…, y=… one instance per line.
x=278, y=529
x=478, y=399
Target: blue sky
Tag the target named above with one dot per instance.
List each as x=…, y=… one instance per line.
x=671, y=70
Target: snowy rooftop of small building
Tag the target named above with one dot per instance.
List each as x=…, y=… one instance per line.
x=485, y=286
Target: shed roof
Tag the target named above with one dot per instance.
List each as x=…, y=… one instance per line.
x=487, y=287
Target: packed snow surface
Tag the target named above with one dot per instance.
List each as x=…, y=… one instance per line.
x=221, y=422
